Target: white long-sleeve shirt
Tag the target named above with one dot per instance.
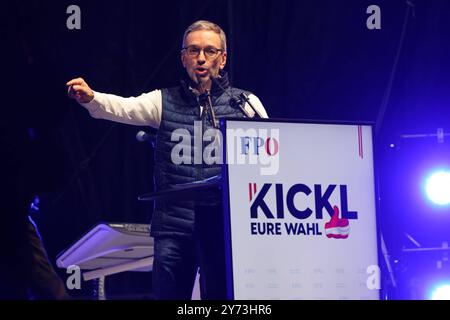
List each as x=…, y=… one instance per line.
x=144, y=110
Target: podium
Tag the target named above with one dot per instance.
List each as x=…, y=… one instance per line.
x=299, y=210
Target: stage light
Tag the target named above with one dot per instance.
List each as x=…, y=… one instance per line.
x=441, y=292
x=438, y=188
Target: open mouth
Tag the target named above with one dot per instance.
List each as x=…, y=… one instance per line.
x=201, y=71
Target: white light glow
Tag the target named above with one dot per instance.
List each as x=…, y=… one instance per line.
x=438, y=188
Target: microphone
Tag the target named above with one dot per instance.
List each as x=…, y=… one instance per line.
x=240, y=102
x=237, y=103
x=143, y=136
x=246, y=100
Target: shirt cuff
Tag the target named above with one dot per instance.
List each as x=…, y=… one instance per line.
x=93, y=104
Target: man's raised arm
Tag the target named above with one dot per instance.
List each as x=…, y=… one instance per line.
x=144, y=110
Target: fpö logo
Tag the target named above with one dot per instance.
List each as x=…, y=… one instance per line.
x=305, y=205
x=257, y=145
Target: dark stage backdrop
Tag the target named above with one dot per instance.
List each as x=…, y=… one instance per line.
x=304, y=59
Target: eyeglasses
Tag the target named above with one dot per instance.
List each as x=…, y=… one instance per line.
x=210, y=52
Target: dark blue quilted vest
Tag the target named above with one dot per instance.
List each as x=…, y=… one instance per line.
x=180, y=108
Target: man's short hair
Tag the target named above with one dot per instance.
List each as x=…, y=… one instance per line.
x=206, y=25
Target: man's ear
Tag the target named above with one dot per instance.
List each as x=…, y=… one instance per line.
x=224, y=61
x=183, y=60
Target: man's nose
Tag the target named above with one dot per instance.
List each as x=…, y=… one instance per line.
x=201, y=59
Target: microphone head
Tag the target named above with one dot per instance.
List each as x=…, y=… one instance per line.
x=142, y=136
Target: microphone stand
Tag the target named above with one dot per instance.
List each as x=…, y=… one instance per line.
x=210, y=109
x=208, y=106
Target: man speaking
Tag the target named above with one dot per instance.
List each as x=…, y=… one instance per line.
x=188, y=234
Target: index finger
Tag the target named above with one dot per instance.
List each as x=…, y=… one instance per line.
x=74, y=81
